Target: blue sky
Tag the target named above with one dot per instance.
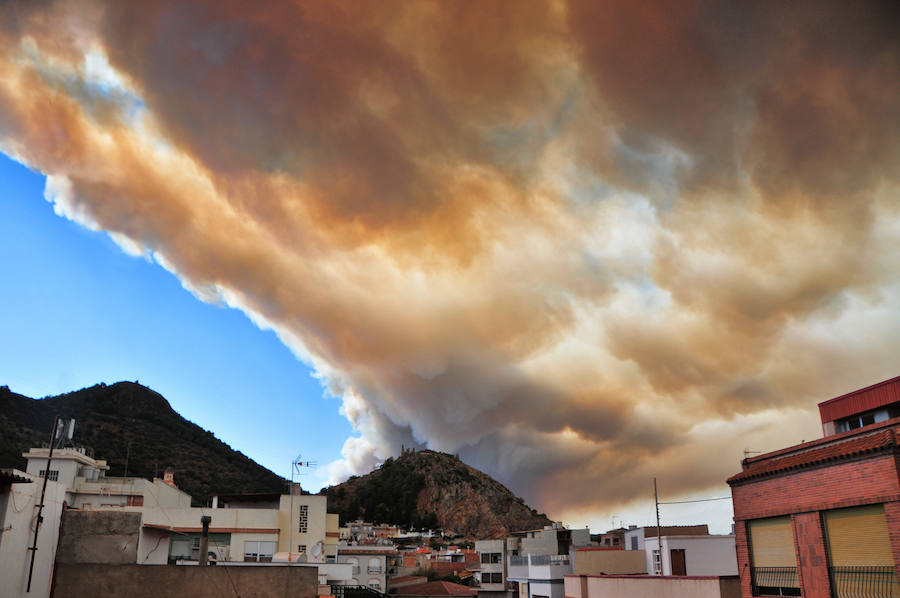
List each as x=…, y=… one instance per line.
x=75, y=310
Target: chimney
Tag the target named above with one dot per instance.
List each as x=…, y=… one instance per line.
x=169, y=477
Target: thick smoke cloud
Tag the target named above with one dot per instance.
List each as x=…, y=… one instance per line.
x=582, y=244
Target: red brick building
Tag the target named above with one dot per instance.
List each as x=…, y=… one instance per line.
x=822, y=519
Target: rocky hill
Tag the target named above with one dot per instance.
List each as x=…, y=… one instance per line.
x=432, y=489
x=129, y=420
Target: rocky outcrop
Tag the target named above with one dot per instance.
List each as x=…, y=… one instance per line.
x=458, y=498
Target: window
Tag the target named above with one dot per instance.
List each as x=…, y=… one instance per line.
x=868, y=418
x=54, y=474
x=773, y=562
x=657, y=566
x=859, y=552
x=491, y=578
x=634, y=543
x=215, y=539
x=490, y=557
x=301, y=548
x=374, y=583
x=304, y=519
x=258, y=551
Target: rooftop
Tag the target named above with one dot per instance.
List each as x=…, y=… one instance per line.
x=877, y=438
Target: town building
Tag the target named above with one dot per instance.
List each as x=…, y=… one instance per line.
x=636, y=538
x=88, y=487
x=822, y=518
x=612, y=538
x=528, y=563
x=371, y=564
x=20, y=494
x=686, y=550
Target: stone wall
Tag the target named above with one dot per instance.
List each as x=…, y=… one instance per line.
x=221, y=581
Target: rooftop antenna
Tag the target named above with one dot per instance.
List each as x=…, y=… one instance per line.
x=297, y=466
x=748, y=452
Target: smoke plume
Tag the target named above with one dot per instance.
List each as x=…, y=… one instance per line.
x=582, y=244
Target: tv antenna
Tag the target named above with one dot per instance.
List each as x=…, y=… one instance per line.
x=748, y=452
x=299, y=467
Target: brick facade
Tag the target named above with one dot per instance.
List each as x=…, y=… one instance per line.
x=809, y=544
x=845, y=477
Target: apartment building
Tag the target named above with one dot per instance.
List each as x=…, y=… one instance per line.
x=529, y=563
x=371, y=564
x=88, y=487
x=822, y=518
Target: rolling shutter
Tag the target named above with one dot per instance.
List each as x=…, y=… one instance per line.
x=858, y=537
x=772, y=542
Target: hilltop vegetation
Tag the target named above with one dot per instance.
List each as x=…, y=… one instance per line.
x=127, y=420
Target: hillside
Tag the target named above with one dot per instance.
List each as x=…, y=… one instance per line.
x=427, y=489
x=127, y=419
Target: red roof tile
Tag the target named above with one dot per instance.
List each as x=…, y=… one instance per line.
x=815, y=453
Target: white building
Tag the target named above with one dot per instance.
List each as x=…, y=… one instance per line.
x=20, y=493
x=87, y=486
x=530, y=563
x=693, y=555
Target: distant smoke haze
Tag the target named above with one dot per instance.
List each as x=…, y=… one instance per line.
x=582, y=244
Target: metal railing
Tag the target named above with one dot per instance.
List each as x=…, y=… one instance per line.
x=775, y=581
x=375, y=570
x=864, y=582
x=342, y=591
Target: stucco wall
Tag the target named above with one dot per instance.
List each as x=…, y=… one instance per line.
x=650, y=586
x=18, y=534
x=109, y=537
x=595, y=562
x=138, y=581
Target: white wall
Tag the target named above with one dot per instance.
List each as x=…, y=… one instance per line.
x=642, y=587
x=703, y=555
x=16, y=520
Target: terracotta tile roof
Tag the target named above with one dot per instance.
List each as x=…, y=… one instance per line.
x=437, y=588
x=815, y=453
x=405, y=578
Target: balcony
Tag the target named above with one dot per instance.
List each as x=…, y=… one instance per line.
x=538, y=567
x=864, y=582
x=775, y=581
x=375, y=570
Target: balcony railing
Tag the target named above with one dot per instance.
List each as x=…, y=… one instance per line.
x=864, y=582
x=775, y=581
x=375, y=570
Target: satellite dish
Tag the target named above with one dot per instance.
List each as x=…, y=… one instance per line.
x=316, y=552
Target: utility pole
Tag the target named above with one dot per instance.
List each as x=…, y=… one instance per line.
x=658, y=535
x=54, y=433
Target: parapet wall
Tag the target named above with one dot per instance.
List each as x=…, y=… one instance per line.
x=138, y=581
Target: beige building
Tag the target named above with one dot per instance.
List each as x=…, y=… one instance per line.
x=371, y=564
x=87, y=486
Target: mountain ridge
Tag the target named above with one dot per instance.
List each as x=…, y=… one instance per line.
x=128, y=421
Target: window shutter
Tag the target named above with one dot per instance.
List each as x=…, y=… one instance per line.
x=772, y=542
x=858, y=537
